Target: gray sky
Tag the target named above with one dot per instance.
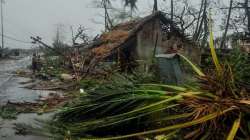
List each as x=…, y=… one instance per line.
x=24, y=18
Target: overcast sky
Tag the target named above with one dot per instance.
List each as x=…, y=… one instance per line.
x=25, y=18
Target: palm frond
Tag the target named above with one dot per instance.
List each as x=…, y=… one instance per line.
x=212, y=48
x=195, y=68
x=177, y=126
x=234, y=129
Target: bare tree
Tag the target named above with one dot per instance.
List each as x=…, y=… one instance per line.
x=172, y=10
x=132, y=5
x=155, y=6
x=227, y=25
x=199, y=21
x=202, y=24
x=239, y=16
x=108, y=23
x=106, y=5
x=81, y=35
x=186, y=15
x=59, y=38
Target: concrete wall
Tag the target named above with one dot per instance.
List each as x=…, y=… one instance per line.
x=146, y=40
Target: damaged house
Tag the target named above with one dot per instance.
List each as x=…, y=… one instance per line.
x=137, y=42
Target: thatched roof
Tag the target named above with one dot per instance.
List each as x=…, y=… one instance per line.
x=122, y=33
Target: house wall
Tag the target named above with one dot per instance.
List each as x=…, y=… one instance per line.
x=176, y=44
x=170, y=43
x=192, y=52
x=126, y=56
x=146, y=40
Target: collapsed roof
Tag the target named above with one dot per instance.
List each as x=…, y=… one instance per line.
x=122, y=33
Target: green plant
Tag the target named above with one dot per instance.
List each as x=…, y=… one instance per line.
x=53, y=66
x=7, y=112
x=239, y=61
x=215, y=107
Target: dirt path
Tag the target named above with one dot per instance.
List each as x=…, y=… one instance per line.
x=10, y=90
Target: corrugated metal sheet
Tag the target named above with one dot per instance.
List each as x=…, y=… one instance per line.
x=169, y=69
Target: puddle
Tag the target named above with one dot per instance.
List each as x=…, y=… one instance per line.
x=8, y=133
x=10, y=87
x=11, y=90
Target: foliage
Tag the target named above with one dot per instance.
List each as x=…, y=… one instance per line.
x=216, y=107
x=8, y=112
x=240, y=65
x=116, y=80
x=53, y=66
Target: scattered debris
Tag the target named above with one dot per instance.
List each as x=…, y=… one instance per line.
x=42, y=105
x=66, y=77
x=142, y=39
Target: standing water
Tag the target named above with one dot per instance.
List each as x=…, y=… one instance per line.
x=11, y=90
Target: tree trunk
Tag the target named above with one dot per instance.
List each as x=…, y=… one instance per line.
x=222, y=45
x=199, y=18
x=105, y=13
x=155, y=6
x=172, y=13
x=202, y=21
x=172, y=10
x=247, y=14
x=108, y=22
